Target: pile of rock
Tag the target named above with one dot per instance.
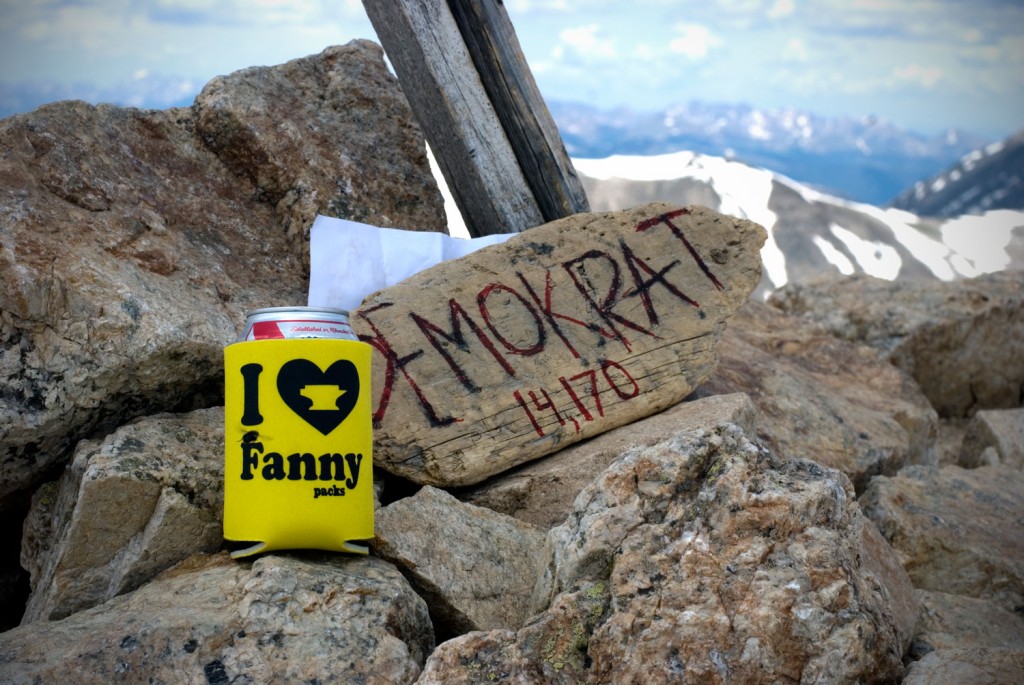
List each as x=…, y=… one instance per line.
x=614, y=468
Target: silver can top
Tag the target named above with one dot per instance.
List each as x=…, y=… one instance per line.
x=276, y=323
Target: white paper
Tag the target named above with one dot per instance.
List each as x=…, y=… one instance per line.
x=349, y=260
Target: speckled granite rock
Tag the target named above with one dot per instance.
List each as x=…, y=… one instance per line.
x=327, y=619
x=701, y=558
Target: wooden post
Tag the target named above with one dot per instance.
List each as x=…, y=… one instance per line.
x=469, y=86
x=488, y=33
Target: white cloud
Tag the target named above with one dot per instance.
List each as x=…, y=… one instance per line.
x=586, y=41
x=694, y=41
x=645, y=53
x=924, y=76
x=37, y=30
x=795, y=51
x=871, y=4
x=83, y=27
x=239, y=13
x=781, y=8
x=524, y=6
x=972, y=36
x=922, y=63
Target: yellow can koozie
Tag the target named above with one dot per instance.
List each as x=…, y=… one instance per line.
x=298, y=445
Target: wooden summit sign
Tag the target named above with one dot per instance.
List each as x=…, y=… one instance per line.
x=563, y=332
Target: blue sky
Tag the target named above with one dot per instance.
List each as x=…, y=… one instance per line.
x=926, y=65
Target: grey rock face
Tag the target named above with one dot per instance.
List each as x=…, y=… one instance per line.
x=832, y=401
x=140, y=501
x=329, y=134
x=954, y=622
x=135, y=241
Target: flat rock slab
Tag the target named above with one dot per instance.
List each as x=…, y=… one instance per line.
x=833, y=401
x=542, y=492
x=968, y=666
x=962, y=341
x=476, y=568
x=994, y=436
x=563, y=332
x=954, y=621
x=955, y=530
x=282, y=619
x=125, y=509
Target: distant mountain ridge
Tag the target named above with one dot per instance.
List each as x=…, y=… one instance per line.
x=867, y=159
x=144, y=90
x=984, y=179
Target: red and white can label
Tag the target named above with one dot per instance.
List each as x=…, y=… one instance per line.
x=298, y=328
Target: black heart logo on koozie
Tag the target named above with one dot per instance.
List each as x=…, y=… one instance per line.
x=323, y=399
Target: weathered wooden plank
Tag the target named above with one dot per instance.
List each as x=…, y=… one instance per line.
x=440, y=81
x=565, y=331
x=532, y=133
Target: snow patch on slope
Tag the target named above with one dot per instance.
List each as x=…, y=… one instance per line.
x=967, y=246
x=937, y=256
x=744, y=190
x=982, y=240
x=834, y=256
x=875, y=258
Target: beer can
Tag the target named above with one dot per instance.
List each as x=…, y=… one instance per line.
x=276, y=323
x=298, y=437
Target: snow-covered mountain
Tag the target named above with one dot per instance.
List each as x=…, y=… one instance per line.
x=867, y=159
x=988, y=178
x=811, y=233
